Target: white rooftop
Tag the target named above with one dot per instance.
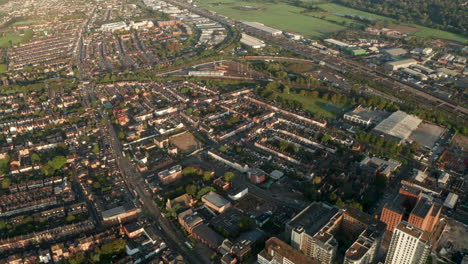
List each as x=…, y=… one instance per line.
x=399, y=124
x=451, y=200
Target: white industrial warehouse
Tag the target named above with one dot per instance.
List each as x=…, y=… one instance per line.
x=398, y=126
x=262, y=27
x=252, y=42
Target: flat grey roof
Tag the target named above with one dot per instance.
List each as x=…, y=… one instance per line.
x=262, y=27
x=399, y=124
x=313, y=218
x=215, y=199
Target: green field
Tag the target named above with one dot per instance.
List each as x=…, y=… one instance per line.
x=437, y=33
x=27, y=22
x=278, y=15
x=342, y=10
x=14, y=38
x=312, y=24
x=420, y=30
x=318, y=106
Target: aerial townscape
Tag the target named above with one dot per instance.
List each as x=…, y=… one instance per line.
x=233, y=131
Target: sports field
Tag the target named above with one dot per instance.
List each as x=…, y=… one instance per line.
x=278, y=15
x=318, y=106
x=312, y=24
x=184, y=141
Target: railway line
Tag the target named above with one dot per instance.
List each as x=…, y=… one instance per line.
x=338, y=63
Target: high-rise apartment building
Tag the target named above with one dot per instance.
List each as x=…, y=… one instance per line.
x=409, y=245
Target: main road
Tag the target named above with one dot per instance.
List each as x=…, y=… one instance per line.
x=136, y=184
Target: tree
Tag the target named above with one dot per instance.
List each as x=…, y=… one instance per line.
x=272, y=86
x=204, y=191
x=35, y=158
x=224, y=148
x=286, y=89
x=229, y=176
x=316, y=180
x=207, y=175
x=95, y=149
x=325, y=138
x=6, y=183
x=70, y=218
x=340, y=203
x=77, y=259
x=191, y=189
x=121, y=134
x=188, y=171
x=414, y=146
x=4, y=164
x=57, y=162
x=47, y=170
x=113, y=247
x=245, y=223
x=356, y=205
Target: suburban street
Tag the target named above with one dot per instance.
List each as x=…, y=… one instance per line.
x=135, y=182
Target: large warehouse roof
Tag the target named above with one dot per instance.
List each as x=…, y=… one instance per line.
x=262, y=27
x=252, y=42
x=399, y=124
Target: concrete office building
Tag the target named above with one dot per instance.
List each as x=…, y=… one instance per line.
x=366, y=116
x=170, y=175
x=314, y=232
x=423, y=212
x=278, y=252
x=303, y=231
x=396, y=65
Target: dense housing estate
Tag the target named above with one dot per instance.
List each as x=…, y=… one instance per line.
x=168, y=132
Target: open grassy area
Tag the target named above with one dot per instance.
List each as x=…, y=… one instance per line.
x=318, y=106
x=3, y=68
x=340, y=10
x=437, y=33
x=278, y=15
x=14, y=38
x=312, y=24
x=26, y=22
x=419, y=31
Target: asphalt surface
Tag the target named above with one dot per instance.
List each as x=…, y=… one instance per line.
x=136, y=184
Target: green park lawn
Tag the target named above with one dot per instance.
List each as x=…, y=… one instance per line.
x=3, y=68
x=318, y=106
x=14, y=38
x=26, y=22
x=437, y=33
x=338, y=10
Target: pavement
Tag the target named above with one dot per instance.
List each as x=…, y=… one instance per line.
x=135, y=183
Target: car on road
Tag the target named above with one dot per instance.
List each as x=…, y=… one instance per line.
x=189, y=245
